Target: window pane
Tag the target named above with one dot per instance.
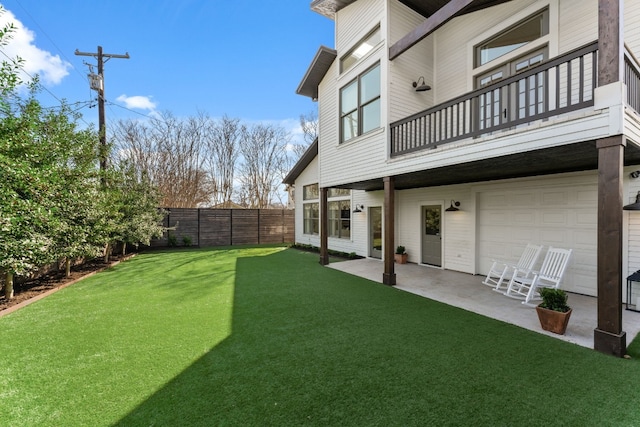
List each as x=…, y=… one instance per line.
x=349, y=98
x=512, y=39
x=310, y=192
x=311, y=218
x=371, y=116
x=360, y=50
x=370, y=85
x=339, y=219
x=338, y=192
x=350, y=126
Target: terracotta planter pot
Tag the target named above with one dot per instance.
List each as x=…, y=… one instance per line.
x=553, y=321
x=401, y=258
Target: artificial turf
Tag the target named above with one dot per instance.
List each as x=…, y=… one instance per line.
x=267, y=337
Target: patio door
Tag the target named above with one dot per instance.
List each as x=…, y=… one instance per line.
x=509, y=103
x=431, y=235
x=375, y=232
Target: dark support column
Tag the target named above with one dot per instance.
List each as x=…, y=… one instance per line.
x=609, y=337
x=324, y=227
x=389, y=275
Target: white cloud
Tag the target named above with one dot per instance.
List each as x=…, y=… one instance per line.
x=50, y=68
x=139, y=102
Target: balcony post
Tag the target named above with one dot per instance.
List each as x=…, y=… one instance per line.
x=389, y=275
x=609, y=337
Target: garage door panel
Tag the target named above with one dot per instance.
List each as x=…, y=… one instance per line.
x=521, y=199
x=555, y=198
x=553, y=238
x=555, y=218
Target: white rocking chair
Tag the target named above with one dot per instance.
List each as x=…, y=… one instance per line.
x=524, y=285
x=501, y=272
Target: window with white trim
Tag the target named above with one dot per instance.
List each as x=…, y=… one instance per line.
x=339, y=212
x=526, y=31
x=310, y=209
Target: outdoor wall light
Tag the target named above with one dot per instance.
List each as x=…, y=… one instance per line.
x=453, y=207
x=421, y=87
x=633, y=206
x=634, y=174
x=358, y=209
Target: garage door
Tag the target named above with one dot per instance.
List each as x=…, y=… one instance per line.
x=563, y=216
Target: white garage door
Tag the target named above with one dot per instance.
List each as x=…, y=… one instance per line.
x=563, y=216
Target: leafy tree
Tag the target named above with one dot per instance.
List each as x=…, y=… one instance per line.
x=140, y=218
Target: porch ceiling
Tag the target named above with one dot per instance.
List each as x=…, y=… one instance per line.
x=567, y=158
x=425, y=8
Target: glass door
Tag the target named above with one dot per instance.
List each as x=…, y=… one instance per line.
x=375, y=232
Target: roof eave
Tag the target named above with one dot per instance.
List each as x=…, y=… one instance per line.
x=316, y=72
x=329, y=8
x=301, y=165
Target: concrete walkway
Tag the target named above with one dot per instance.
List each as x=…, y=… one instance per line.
x=467, y=291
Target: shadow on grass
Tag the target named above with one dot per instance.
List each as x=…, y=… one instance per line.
x=313, y=346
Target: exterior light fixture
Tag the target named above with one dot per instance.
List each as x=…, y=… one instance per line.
x=358, y=209
x=421, y=87
x=635, y=174
x=633, y=206
x=453, y=207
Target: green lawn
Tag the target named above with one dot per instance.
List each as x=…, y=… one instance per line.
x=268, y=337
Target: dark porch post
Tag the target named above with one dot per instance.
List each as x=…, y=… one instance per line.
x=389, y=275
x=609, y=337
x=324, y=227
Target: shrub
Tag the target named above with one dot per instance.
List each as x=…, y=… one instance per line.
x=554, y=299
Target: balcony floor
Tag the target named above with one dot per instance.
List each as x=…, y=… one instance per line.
x=467, y=292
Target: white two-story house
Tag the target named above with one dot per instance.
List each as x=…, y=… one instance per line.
x=522, y=115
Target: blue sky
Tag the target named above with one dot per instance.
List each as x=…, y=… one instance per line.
x=242, y=58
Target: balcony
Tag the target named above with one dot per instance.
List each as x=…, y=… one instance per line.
x=556, y=87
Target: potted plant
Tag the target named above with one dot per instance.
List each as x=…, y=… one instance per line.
x=553, y=311
x=400, y=255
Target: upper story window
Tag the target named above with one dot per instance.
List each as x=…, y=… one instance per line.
x=360, y=104
x=520, y=34
x=359, y=50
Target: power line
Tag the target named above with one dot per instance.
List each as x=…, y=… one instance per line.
x=51, y=40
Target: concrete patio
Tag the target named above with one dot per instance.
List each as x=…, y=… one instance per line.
x=466, y=291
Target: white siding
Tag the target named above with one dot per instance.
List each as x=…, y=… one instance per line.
x=457, y=228
x=632, y=18
x=355, y=21
x=578, y=23
x=408, y=67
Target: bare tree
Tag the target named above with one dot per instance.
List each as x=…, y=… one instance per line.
x=309, y=126
x=171, y=153
x=223, y=141
x=264, y=164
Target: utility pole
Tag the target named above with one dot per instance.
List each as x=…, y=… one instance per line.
x=97, y=84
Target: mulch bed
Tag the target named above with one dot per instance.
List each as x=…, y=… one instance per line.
x=39, y=287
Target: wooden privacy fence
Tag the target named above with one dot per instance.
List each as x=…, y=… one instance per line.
x=227, y=227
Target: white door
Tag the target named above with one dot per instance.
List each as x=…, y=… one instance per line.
x=562, y=216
